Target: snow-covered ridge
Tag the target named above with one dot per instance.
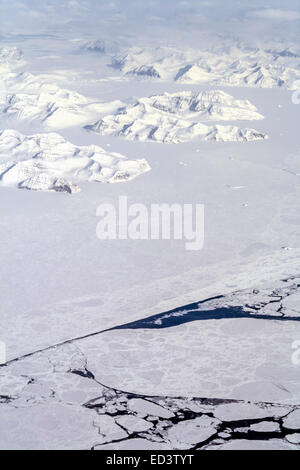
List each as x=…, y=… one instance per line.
x=210, y=105
x=36, y=97
x=235, y=66
x=177, y=117
x=48, y=162
x=57, y=108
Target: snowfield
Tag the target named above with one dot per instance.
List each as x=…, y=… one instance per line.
x=112, y=344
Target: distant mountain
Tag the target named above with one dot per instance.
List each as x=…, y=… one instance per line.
x=232, y=66
x=97, y=46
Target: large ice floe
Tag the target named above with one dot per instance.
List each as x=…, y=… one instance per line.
x=231, y=66
x=178, y=117
x=48, y=162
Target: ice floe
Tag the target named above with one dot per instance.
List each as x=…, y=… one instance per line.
x=52, y=399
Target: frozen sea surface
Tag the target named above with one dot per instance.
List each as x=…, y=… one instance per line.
x=136, y=344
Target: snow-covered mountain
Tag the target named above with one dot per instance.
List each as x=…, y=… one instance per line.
x=11, y=55
x=47, y=162
x=207, y=105
x=97, y=46
x=55, y=107
x=233, y=66
x=177, y=117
